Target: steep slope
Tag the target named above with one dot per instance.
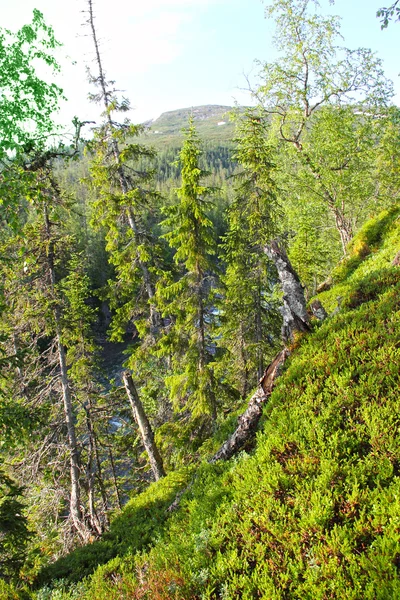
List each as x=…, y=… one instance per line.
x=314, y=512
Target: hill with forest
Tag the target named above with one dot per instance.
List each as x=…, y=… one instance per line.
x=213, y=124
x=216, y=130
x=199, y=333
x=311, y=507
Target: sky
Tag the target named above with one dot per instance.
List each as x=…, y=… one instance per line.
x=170, y=54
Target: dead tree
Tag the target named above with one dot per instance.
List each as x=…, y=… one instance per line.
x=74, y=454
x=145, y=429
x=294, y=310
x=248, y=421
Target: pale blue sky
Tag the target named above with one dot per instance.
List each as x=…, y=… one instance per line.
x=168, y=54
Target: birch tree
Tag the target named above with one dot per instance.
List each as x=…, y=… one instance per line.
x=311, y=82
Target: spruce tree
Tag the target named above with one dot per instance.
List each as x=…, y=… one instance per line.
x=189, y=301
x=125, y=201
x=248, y=319
x=126, y=206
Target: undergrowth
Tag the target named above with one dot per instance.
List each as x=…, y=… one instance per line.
x=314, y=512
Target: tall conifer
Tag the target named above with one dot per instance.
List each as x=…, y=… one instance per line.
x=189, y=300
x=248, y=311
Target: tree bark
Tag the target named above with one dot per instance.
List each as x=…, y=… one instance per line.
x=259, y=330
x=248, y=421
x=294, y=310
x=74, y=457
x=115, y=480
x=146, y=431
x=343, y=225
x=95, y=523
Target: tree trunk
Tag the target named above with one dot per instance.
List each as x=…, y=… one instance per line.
x=203, y=354
x=259, y=331
x=115, y=480
x=248, y=421
x=155, y=318
x=144, y=426
x=343, y=226
x=100, y=479
x=245, y=371
x=91, y=472
x=75, y=498
x=74, y=462
x=294, y=311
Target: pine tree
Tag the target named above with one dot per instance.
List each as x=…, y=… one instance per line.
x=189, y=301
x=248, y=318
x=125, y=202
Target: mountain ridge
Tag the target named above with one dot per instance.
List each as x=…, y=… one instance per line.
x=212, y=122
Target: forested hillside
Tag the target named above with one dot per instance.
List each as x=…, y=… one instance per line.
x=199, y=333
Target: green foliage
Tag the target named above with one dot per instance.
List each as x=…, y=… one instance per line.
x=138, y=526
x=310, y=91
x=123, y=207
x=78, y=320
x=248, y=310
x=25, y=98
x=387, y=13
x=125, y=199
x=387, y=158
x=14, y=533
x=27, y=105
x=189, y=301
x=315, y=511
x=79, y=563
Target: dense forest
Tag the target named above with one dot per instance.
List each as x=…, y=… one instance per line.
x=200, y=331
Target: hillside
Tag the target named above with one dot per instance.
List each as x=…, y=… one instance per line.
x=212, y=124
x=313, y=511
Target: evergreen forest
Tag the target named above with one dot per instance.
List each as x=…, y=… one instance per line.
x=200, y=330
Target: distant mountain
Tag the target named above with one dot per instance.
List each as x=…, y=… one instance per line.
x=212, y=124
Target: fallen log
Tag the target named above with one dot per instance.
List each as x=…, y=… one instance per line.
x=145, y=429
x=248, y=421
